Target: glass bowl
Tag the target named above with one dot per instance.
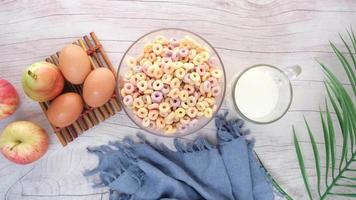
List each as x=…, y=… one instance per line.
x=136, y=49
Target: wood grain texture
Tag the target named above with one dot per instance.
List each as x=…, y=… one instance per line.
x=244, y=32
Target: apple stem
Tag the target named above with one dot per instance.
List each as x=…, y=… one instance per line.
x=17, y=143
x=33, y=75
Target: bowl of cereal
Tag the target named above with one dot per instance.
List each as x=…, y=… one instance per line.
x=171, y=82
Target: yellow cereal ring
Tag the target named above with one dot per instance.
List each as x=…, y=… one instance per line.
x=152, y=57
x=160, y=123
x=188, y=66
x=170, y=118
x=205, y=103
x=145, y=122
x=168, y=69
x=145, y=63
x=211, y=101
x=206, y=76
x=157, y=85
x=183, y=95
x=192, y=53
x=198, y=60
x=122, y=92
x=160, y=39
x=147, y=48
x=175, y=83
x=151, y=70
x=174, y=93
x=157, y=48
x=201, y=98
x=164, y=107
x=142, y=112
x=148, y=91
x=208, y=113
x=191, y=100
x=131, y=62
x=128, y=75
x=147, y=99
x=184, y=104
x=177, y=65
x=200, y=106
x=204, y=55
x=142, y=85
x=180, y=112
x=138, y=103
x=216, y=73
x=199, y=114
x=179, y=73
x=140, y=76
x=168, y=129
x=158, y=73
x=195, y=77
x=184, y=43
x=166, y=78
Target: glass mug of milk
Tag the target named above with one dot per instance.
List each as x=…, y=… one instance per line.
x=263, y=93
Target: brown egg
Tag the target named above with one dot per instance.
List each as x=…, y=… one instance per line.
x=65, y=109
x=74, y=63
x=98, y=87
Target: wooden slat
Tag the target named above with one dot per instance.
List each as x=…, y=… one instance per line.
x=90, y=116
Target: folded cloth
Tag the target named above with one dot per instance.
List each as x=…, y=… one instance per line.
x=195, y=171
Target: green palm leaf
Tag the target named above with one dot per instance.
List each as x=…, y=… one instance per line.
x=343, y=104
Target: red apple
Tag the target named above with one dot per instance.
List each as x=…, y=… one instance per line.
x=9, y=99
x=23, y=142
x=42, y=81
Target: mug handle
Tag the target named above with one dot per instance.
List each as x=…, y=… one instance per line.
x=293, y=71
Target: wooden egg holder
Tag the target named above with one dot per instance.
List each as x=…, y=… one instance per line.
x=89, y=116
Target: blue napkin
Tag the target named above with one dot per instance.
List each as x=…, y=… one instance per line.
x=195, y=171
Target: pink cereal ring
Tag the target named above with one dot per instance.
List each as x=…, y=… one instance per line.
x=128, y=100
x=186, y=79
x=213, y=61
x=137, y=68
x=129, y=88
x=215, y=91
x=192, y=112
x=157, y=96
x=153, y=106
x=174, y=102
x=200, y=69
x=213, y=81
x=174, y=42
x=152, y=125
x=166, y=60
x=183, y=52
x=175, y=56
x=189, y=88
x=206, y=86
x=133, y=80
x=150, y=83
x=185, y=120
x=153, y=114
x=165, y=89
x=136, y=95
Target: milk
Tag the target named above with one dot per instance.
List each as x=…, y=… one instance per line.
x=256, y=93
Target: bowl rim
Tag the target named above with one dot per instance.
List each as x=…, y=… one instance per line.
x=180, y=134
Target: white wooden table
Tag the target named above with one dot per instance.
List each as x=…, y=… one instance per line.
x=244, y=32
